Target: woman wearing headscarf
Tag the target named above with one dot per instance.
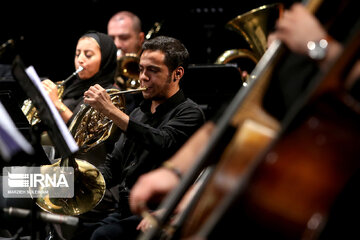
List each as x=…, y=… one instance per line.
x=96, y=53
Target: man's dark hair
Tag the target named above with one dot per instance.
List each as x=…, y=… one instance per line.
x=175, y=52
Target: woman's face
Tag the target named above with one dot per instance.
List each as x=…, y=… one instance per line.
x=88, y=55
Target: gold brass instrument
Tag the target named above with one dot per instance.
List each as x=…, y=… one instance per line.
x=89, y=188
x=90, y=127
x=254, y=26
x=28, y=107
x=154, y=30
x=128, y=65
x=128, y=68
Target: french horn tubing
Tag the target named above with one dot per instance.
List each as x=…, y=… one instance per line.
x=90, y=127
x=28, y=107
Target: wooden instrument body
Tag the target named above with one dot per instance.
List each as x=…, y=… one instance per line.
x=250, y=139
x=287, y=191
x=294, y=188
x=298, y=178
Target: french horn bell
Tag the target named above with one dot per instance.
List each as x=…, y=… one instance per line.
x=89, y=188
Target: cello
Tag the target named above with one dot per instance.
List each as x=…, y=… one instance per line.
x=288, y=191
x=241, y=122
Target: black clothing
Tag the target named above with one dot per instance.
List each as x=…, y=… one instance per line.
x=132, y=101
x=150, y=139
x=73, y=98
x=115, y=226
x=5, y=71
x=288, y=82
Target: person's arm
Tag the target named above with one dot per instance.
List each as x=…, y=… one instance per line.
x=297, y=27
x=99, y=99
x=171, y=135
x=112, y=167
x=52, y=91
x=154, y=186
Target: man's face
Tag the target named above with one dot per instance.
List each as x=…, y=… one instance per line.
x=155, y=76
x=125, y=38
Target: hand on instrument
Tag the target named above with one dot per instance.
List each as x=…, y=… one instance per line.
x=144, y=225
x=51, y=89
x=151, y=187
x=154, y=185
x=99, y=99
x=296, y=28
x=148, y=220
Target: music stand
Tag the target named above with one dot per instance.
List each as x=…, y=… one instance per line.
x=50, y=118
x=211, y=85
x=12, y=96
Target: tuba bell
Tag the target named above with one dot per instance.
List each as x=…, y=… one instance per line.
x=28, y=107
x=254, y=26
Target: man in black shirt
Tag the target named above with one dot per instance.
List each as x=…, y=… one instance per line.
x=152, y=132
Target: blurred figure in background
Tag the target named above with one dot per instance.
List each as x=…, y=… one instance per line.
x=125, y=29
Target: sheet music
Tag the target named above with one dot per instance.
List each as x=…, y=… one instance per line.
x=9, y=127
x=30, y=71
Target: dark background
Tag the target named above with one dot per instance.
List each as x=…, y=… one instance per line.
x=50, y=29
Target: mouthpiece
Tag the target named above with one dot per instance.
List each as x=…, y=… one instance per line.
x=119, y=53
x=78, y=70
x=71, y=76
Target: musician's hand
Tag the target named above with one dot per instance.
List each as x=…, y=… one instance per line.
x=99, y=99
x=296, y=28
x=151, y=187
x=51, y=90
x=144, y=225
x=148, y=221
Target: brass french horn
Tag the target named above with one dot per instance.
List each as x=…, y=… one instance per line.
x=90, y=127
x=254, y=26
x=89, y=188
x=28, y=107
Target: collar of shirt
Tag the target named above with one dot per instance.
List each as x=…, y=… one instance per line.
x=170, y=103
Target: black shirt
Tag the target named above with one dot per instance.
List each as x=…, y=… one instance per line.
x=151, y=139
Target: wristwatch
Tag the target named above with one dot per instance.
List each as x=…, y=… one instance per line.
x=317, y=50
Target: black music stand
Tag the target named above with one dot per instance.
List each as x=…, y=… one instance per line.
x=12, y=96
x=62, y=140
x=211, y=85
x=51, y=122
